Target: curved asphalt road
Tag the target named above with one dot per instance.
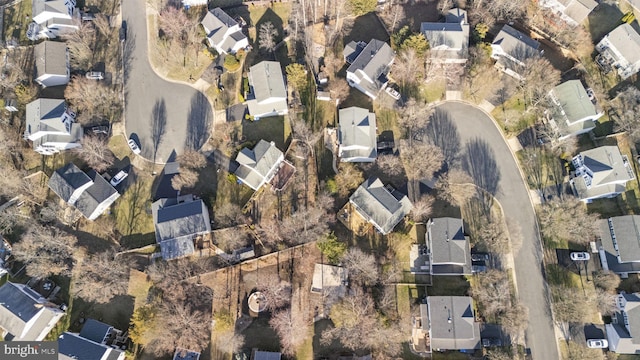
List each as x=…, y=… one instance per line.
x=483, y=148
x=164, y=116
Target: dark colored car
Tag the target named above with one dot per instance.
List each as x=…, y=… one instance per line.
x=123, y=31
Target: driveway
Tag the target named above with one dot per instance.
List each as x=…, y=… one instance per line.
x=470, y=137
x=165, y=117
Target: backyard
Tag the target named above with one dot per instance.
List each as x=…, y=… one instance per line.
x=16, y=21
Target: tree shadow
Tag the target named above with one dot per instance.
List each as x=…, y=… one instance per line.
x=271, y=16
x=603, y=19
x=479, y=161
x=199, y=122
x=365, y=28
x=158, y=125
x=128, y=47
x=442, y=132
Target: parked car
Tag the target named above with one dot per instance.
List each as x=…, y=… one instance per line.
x=94, y=75
x=578, y=256
x=491, y=342
x=393, y=93
x=134, y=146
x=118, y=178
x=479, y=257
x=597, y=343
x=100, y=130
x=478, y=266
x=123, y=31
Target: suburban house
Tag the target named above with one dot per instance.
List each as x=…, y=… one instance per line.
x=267, y=90
x=380, y=205
x=259, y=165
x=448, y=40
x=447, y=251
x=369, y=65
x=223, y=32
x=52, y=63
x=183, y=354
x=178, y=222
x=620, y=49
x=5, y=255
x=51, y=126
x=96, y=341
x=357, y=135
x=511, y=49
x=24, y=314
x=90, y=193
x=52, y=18
x=620, y=244
x=574, y=112
x=446, y=323
x=329, y=279
x=573, y=12
x=624, y=329
x=265, y=355
x=602, y=172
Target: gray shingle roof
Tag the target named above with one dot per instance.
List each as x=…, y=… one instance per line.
x=357, y=133
x=39, y=6
x=579, y=10
x=183, y=354
x=609, y=170
x=374, y=60
x=96, y=194
x=452, y=322
x=66, y=180
x=50, y=58
x=45, y=115
x=453, y=34
x=352, y=50
x=216, y=23
x=378, y=205
x=258, y=164
x=627, y=233
x=574, y=100
x=174, y=220
x=627, y=41
x=626, y=341
x=20, y=305
x=516, y=44
x=268, y=89
x=267, y=355
x=177, y=247
x=72, y=346
x=95, y=330
x=448, y=245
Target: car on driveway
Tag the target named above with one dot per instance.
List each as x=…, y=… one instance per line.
x=597, y=343
x=580, y=256
x=94, y=75
x=134, y=146
x=118, y=178
x=479, y=257
x=491, y=342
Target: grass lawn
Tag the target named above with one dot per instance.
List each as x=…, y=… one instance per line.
x=16, y=20
x=277, y=13
x=604, y=127
x=119, y=147
x=603, y=20
x=448, y=286
x=365, y=28
x=275, y=128
x=434, y=90
x=133, y=216
x=260, y=335
x=228, y=190
x=139, y=286
x=558, y=275
x=512, y=115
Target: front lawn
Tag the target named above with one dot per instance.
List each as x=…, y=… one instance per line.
x=133, y=214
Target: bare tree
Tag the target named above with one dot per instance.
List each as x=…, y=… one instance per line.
x=339, y=89
x=230, y=239
x=171, y=21
x=101, y=277
x=95, y=152
x=228, y=214
x=303, y=132
x=414, y=117
x=80, y=44
x=493, y=236
x=569, y=305
x=421, y=161
x=229, y=341
x=101, y=22
x=267, y=37
x=567, y=220
x=408, y=69
x=362, y=267
x=577, y=351
x=605, y=302
x=390, y=165
x=422, y=208
x=182, y=327
x=515, y=320
x=292, y=329
x=626, y=109
x=492, y=291
x=608, y=282
x=348, y=178
x=46, y=251
x=539, y=78
x=277, y=292
x=93, y=100
x=187, y=178
x=192, y=159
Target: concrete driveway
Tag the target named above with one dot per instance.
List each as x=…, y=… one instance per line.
x=469, y=137
x=163, y=116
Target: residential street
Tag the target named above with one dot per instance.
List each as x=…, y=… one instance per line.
x=164, y=116
x=485, y=154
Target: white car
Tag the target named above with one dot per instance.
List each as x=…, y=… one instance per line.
x=577, y=256
x=94, y=75
x=118, y=178
x=134, y=147
x=393, y=93
x=597, y=343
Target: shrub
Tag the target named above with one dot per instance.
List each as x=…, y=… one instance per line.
x=231, y=63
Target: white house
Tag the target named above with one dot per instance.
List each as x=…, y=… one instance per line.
x=90, y=193
x=619, y=246
x=258, y=166
x=380, y=205
x=51, y=126
x=223, y=32
x=52, y=63
x=449, y=40
x=52, y=18
x=511, y=49
x=267, y=90
x=96, y=340
x=602, y=172
x=357, y=135
x=623, y=332
x=24, y=314
x=574, y=112
x=573, y=12
x=620, y=49
x=369, y=65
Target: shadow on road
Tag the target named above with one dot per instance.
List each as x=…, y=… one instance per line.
x=480, y=162
x=443, y=133
x=199, y=122
x=158, y=125
x=128, y=47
